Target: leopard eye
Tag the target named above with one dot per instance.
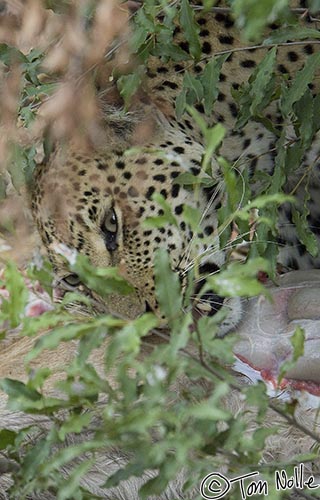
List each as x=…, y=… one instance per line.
x=109, y=228
x=72, y=280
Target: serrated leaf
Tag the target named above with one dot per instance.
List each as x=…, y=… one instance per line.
x=193, y=85
x=297, y=341
x=35, y=458
x=304, y=232
x=168, y=289
x=75, y=424
x=188, y=179
x=213, y=139
x=9, y=55
x=18, y=165
x=304, y=112
x=49, y=319
x=166, y=207
x=71, y=487
x=161, y=220
x=266, y=199
x=170, y=51
x=252, y=16
x=190, y=28
x=208, y=411
x=13, y=308
x=73, y=331
x=288, y=33
x=68, y=454
x=16, y=389
x=128, y=86
x=102, y=280
x=262, y=79
x=180, y=103
x=239, y=279
x=256, y=396
x=210, y=80
x=253, y=97
x=299, y=84
x=134, y=469
x=192, y=216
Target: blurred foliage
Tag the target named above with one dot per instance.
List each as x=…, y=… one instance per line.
x=144, y=412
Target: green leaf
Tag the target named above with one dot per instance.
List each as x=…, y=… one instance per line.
x=188, y=179
x=264, y=200
x=7, y=438
x=210, y=80
x=261, y=81
x=10, y=55
x=190, y=29
x=102, y=280
x=35, y=458
x=288, y=33
x=252, y=16
x=128, y=339
x=297, y=342
x=192, y=217
x=128, y=85
x=209, y=409
x=16, y=389
x=144, y=25
x=254, y=97
x=170, y=51
x=160, y=220
x=213, y=139
x=13, y=308
x=42, y=271
x=75, y=424
x=71, y=487
x=72, y=331
x=181, y=102
x=134, y=469
x=299, y=84
x=256, y=395
x=304, y=232
x=304, y=110
x=192, y=84
x=239, y=279
x=65, y=455
x=49, y=319
x=168, y=290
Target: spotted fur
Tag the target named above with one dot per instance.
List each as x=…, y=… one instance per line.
x=76, y=192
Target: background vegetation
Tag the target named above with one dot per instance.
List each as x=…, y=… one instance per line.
x=140, y=412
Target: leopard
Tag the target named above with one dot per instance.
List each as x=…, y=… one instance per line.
x=99, y=203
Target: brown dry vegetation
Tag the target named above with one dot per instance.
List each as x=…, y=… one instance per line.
x=77, y=57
